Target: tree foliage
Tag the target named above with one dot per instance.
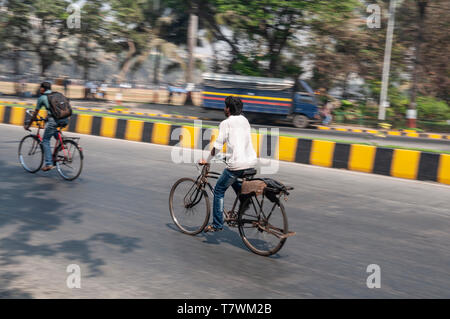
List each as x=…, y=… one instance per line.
x=327, y=41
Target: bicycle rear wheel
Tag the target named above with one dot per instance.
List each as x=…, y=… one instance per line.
x=263, y=233
x=189, y=206
x=31, y=153
x=69, y=160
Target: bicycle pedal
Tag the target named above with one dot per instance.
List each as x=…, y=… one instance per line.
x=230, y=216
x=289, y=234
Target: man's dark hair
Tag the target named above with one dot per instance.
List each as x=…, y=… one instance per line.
x=46, y=85
x=234, y=104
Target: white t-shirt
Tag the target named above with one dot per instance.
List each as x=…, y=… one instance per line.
x=235, y=132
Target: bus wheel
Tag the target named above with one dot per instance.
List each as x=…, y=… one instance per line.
x=300, y=121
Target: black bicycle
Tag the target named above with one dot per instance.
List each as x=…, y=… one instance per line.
x=262, y=223
x=67, y=154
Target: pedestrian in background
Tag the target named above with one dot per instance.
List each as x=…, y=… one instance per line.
x=326, y=114
x=66, y=83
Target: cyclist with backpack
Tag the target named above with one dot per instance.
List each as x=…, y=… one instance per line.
x=59, y=111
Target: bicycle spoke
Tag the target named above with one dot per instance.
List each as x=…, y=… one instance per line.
x=69, y=160
x=253, y=226
x=67, y=166
x=189, y=207
x=260, y=235
x=30, y=154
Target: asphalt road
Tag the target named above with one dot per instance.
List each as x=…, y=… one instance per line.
x=114, y=223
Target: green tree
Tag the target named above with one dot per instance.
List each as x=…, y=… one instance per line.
x=137, y=28
x=14, y=35
x=429, y=108
x=91, y=36
x=48, y=28
x=263, y=29
x=423, y=31
x=343, y=46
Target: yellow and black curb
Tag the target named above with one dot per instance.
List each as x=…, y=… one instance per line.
x=383, y=133
x=408, y=133
x=127, y=112
x=364, y=158
x=119, y=111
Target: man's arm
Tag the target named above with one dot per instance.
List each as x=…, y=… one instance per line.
x=218, y=144
x=35, y=113
x=33, y=118
x=213, y=153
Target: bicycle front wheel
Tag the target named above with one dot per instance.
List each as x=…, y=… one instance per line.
x=69, y=160
x=263, y=226
x=31, y=153
x=189, y=206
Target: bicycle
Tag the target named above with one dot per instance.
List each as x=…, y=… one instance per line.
x=262, y=227
x=67, y=154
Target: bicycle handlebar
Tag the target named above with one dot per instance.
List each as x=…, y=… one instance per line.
x=201, y=164
x=38, y=117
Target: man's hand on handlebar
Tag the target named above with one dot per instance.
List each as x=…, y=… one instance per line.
x=27, y=125
x=203, y=162
x=34, y=117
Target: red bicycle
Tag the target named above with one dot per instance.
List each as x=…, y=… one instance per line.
x=67, y=154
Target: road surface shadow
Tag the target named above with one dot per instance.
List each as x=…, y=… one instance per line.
x=29, y=208
x=7, y=292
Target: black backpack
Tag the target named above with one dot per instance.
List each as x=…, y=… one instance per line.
x=60, y=107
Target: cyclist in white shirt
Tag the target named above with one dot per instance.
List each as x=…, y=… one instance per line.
x=235, y=131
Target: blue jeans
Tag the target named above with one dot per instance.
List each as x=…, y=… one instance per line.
x=327, y=120
x=51, y=130
x=227, y=179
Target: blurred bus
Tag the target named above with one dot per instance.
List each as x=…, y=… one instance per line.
x=263, y=98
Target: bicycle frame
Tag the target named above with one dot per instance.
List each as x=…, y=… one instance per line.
x=202, y=181
x=59, y=141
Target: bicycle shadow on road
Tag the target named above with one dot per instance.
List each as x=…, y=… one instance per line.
x=226, y=236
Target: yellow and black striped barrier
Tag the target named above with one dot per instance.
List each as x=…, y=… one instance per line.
x=363, y=158
x=118, y=111
x=382, y=133
x=405, y=132
x=127, y=112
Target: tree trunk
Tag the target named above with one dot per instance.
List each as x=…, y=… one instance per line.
x=86, y=71
x=156, y=66
x=274, y=61
x=44, y=66
x=417, y=61
x=192, y=41
x=127, y=62
x=16, y=62
x=345, y=86
x=215, y=64
x=85, y=63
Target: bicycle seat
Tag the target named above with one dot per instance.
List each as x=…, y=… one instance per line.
x=249, y=172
